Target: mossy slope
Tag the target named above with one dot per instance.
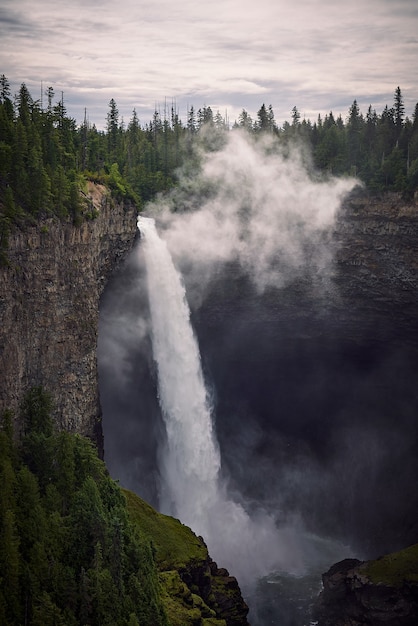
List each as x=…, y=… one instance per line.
x=194, y=591
x=394, y=569
x=176, y=546
x=381, y=592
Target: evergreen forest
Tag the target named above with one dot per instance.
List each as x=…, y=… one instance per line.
x=69, y=554
x=45, y=158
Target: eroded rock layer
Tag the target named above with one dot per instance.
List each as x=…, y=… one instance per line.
x=49, y=302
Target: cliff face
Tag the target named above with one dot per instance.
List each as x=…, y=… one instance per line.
x=383, y=592
x=49, y=297
x=373, y=279
x=378, y=262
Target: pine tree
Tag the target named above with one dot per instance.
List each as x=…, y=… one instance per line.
x=263, y=119
x=354, y=128
x=295, y=117
x=24, y=105
x=399, y=109
x=245, y=121
x=191, y=121
x=112, y=128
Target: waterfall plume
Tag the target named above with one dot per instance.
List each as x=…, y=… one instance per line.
x=192, y=489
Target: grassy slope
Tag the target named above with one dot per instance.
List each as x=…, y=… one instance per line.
x=394, y=569
x=177, y=549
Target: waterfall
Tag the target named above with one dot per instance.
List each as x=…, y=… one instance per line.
x=190, y=461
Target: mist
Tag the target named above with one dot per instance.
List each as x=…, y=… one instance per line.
x=253, y=202
x=312, y=402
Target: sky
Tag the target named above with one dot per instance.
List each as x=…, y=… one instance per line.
x=230, y=55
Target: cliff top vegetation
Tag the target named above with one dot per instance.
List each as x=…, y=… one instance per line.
x=45, y=158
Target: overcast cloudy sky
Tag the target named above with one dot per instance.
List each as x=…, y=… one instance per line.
x=319, y=55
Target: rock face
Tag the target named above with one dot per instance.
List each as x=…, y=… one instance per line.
x=377, y=245
x=49, y=301
x=220, y=593
x=352, y=596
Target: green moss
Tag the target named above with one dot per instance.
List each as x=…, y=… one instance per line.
x=176, y=546
x=182, y=607
x=177, y=549
x=174, y=585
x=394, y=569
x=203, y=607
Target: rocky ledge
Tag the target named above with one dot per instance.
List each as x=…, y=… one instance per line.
x=382, y=592
x=195, y=591
x=49, y=306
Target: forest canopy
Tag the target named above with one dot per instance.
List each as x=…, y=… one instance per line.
x=46, y=159
x=69, y=553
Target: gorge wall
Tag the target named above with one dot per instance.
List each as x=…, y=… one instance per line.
x=50, y=291
x=49, y=301
x=328, y=364
x=383, y=592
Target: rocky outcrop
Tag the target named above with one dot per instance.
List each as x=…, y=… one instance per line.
x=383, y=592
x=195, y=591
x=49, y=301
x=227, y=596
x=203, y=594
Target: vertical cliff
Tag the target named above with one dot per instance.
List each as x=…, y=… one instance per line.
x=49, y=300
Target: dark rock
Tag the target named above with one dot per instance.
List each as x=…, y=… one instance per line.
x=351, y=598
x=229, y=603
x=49, y=304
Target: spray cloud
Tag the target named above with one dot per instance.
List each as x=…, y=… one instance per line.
x=253, y=203
x=257, y=206
x=190, y=459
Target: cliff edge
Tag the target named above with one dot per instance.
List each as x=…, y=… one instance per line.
x=381, y=592
x=195, y=591
x=49, y=301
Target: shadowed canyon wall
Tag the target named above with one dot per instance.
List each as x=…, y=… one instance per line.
x=314, y=384
x=49, y=301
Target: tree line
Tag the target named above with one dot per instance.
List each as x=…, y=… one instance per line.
x=46, y=159
x=69, y=554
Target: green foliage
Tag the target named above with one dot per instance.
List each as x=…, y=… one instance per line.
x=45, y=158
x=177, y=552
x=176, y=545
x=394, y=569
x=36, y=411
x=69, y=554
x=77, y=549
x=179, y=601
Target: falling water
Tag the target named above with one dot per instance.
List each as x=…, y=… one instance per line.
x=192, y=489
x=192, y=460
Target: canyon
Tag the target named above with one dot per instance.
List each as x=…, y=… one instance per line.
x=57, y=271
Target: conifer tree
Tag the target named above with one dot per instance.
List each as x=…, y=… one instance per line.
x=399, y=109
x=112, y=130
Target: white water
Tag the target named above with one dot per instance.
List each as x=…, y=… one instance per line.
x=192, y=489
x=192, y=460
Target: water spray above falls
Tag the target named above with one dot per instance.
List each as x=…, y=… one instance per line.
x=190, y=461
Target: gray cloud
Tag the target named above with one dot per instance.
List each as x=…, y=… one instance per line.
x=228, y=55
